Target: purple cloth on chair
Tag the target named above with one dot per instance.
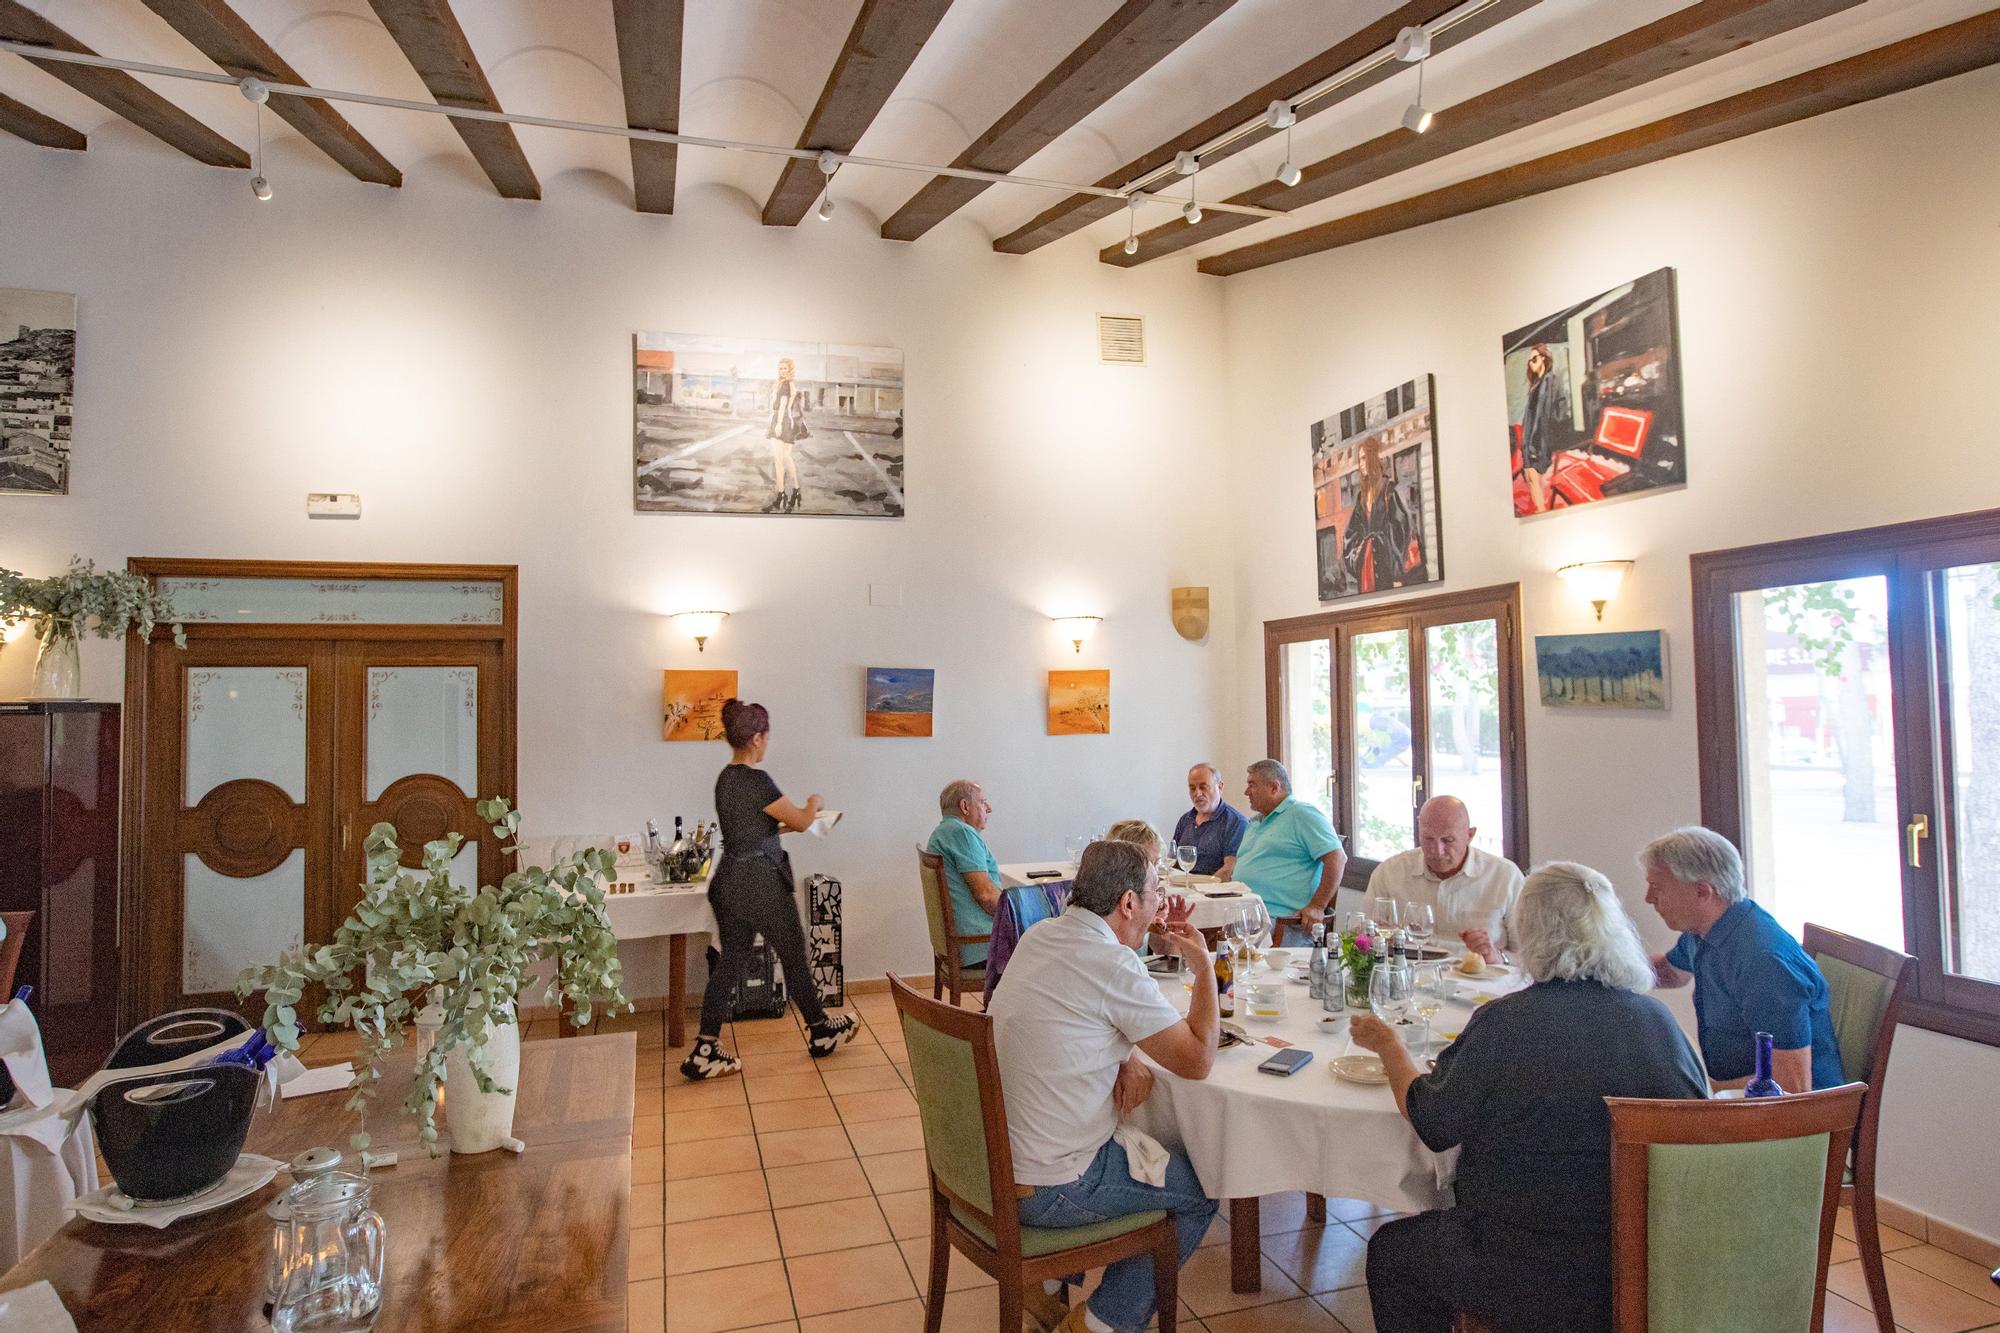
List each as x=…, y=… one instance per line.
x=1020, y=909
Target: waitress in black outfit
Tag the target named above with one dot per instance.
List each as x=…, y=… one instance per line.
x=752, y=894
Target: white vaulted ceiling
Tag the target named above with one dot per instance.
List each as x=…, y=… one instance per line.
x=754, y=69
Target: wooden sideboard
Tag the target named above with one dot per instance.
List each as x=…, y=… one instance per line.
x=534, y=1243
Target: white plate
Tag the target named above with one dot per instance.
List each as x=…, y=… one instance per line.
x=1358, y=1068
x=1490, y=970
x=250, y=1174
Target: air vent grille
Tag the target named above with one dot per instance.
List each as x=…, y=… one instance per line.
x=1121, y=340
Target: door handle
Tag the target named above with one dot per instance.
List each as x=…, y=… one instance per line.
x=1918, y=827
x=346, y=830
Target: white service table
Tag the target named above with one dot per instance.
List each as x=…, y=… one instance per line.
x=1249, y=1134
x=1214, y=902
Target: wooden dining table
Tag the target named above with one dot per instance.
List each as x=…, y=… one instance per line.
x=534, y=1242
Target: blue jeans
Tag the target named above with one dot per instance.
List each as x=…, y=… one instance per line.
x=1106, y=1190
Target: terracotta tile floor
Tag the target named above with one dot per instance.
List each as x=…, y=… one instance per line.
x=792, y=1199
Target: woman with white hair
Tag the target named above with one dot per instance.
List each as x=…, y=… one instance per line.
x=1521, y=1095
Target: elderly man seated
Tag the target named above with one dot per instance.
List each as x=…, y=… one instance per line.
x=971, y=874
x=1527, y=1248
x=1749, y=974
x=1076, y=1004
x=1290, y=856
x=1213, y=827
x=1471, y=891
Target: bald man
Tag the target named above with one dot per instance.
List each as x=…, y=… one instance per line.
x=1473, y=892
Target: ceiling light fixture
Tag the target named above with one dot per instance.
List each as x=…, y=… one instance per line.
x=1413, y=47
x=1132, y=225
x=1186, y=163
x=1280, y=115
x=258, y=92
x=828, y=164
x=1191, y=210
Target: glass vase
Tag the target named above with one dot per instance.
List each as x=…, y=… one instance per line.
x=58, y=663
x=1357, y=988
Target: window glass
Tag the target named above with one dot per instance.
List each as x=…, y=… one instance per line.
x=1308, y=720
x=1463, y=700
x=1971, y=656
x=1380, y=755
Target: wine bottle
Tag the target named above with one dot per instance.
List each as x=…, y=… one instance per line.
x=1225, y=981
x=1762, y=1084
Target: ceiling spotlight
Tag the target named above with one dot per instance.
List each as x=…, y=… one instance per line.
x=1288, y=174
x=826, y=207
x=1186, y=163
x=260, y=187
x=1192, y=212
x=1131, y=224
x=1412, y=45
x=1418, y=118
x=1280, y=115
x=828, y=164
x=1131, y=245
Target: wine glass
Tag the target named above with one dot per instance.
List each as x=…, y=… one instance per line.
x=1420, y=919
x=1429, y=998
x=1256, y=921
x=1390, y=992
x=1353, y=924
x=1184, y=857
x=1073, y=851
x=1383, y=914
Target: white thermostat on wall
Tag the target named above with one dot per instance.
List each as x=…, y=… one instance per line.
x=332, y=504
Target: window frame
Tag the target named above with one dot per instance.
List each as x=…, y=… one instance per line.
x=1500, y=603
x=1910, y=558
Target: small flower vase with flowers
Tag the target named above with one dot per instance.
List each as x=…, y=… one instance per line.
x=1357, y=956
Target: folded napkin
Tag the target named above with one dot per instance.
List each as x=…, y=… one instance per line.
x=1144, y=1156
x=34, y=1308
x=21, y=1049
x=108, y=1204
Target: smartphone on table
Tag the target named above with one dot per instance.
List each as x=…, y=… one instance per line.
x=1288, y=1061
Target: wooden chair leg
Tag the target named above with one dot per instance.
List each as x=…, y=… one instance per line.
x=1010, y=1302
x=940, y=1266
x=1167, y=1277
x=1868, y=1240
x=1246, y=1243
x=1315, y=1207
x=937, y=980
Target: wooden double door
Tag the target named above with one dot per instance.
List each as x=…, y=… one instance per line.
x=267, y=757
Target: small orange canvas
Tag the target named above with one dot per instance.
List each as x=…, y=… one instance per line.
x=693, y=704
x=1079, y=703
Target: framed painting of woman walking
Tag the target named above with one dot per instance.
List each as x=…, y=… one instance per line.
x=746, y=426
x=1594, y=399
x=1375, y=500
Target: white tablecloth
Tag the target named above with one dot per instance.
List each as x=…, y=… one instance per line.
x=650, y=910
x=1250, y=1134
x=41, y=1180
x=1210, y=911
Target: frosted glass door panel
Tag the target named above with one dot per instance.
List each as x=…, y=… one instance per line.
x=330, y=602
x=465, y=868
x=232, y=923
x=246, y=722
x=423, y=720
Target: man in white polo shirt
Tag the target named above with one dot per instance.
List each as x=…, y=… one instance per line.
x=1473, y=892
x=1076, y=1004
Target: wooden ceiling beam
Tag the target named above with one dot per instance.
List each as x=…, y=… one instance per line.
x=649, y=65
x=1943, y=53
x=429, y=34
x=1678, y=41
x=24, y=122
x=1134, y=39
x=119, y=91
x=216, y=30
x=1080, y=210
x=880, y=47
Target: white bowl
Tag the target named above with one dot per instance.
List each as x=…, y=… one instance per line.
x=1278, y=959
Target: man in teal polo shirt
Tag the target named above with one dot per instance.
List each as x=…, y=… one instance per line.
x=1290, y=854
x=971, y=875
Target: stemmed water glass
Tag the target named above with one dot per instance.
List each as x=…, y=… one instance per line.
x=1383, y=914
x=1073, y=849
x=1420, y=919
x=1390, y=992
x=1429, y=997
x=1184, y=857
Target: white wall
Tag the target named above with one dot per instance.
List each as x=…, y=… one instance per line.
x=464, y=363
x=1837, y=281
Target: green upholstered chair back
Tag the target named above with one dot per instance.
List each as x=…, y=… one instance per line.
x=1858, y=999
x=958, y=1096
x=1723, y=1210
x=930, y=869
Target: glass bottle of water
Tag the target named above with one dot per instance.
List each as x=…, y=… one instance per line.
x=1761, y=1083
x=1316, y=970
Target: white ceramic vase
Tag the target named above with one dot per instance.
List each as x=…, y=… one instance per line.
x=58, y=663
x=482, y=1121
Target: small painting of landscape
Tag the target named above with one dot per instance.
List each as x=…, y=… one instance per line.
x=899, y=701
x=1079, y=703
x=1623, y=670
x=693, y=704
x=37, y=394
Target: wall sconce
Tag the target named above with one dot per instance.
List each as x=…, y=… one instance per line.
x=698, y=625
x=1078, y=628
x=1596, y=581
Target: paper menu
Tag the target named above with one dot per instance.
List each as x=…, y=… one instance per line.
x=823, y=823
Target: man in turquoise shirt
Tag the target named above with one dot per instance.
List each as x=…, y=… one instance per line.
x=1290, y=854
x=971, y=875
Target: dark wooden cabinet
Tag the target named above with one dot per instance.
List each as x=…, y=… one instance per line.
x=59, y=860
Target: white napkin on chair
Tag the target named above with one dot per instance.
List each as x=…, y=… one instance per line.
x=21, y=1049
x=1144, y=1156
x=34, y=1309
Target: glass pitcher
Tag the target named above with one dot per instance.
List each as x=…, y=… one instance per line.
x=329, y=1256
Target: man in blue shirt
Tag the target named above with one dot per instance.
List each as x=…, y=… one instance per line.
x=1290, y=855
x=1749, y=975
x=971, y=874
x=1213, y=827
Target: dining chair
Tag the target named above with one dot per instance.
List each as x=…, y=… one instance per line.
x=949, y=971
x=10, y=948
x=1722, y=1211
x=971, y=1168
x=1866, y=984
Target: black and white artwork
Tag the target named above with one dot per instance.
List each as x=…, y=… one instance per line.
x=823, y=939
x=37, y=390
x=741, y=426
